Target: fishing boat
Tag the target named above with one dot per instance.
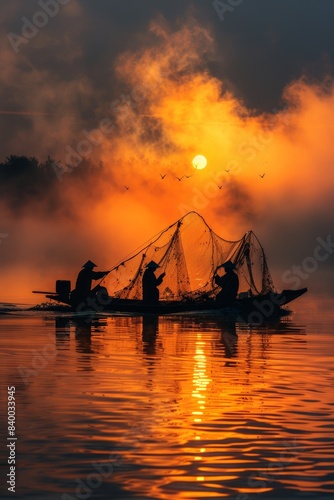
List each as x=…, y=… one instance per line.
x=190, y=254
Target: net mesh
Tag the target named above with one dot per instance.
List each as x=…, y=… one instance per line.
x=191, y=253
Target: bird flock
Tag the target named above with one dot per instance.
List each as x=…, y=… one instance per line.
x=162, y=177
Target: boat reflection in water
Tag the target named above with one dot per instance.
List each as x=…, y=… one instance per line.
x=150, y=326
x=229, y=338
x=191, y=406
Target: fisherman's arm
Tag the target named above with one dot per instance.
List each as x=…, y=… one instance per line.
x=218, y=280
x=159, y=279
x=97, y=275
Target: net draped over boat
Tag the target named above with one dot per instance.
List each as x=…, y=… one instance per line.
x=191, y=253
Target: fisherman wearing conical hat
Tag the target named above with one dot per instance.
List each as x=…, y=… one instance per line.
x=83, y=287
x=150, y=283
x=229, y=284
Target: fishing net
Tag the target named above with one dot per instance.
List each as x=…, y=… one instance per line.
x=190, y=253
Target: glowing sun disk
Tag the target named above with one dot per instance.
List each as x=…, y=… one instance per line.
x=199, y=162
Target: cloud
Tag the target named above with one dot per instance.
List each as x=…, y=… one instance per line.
x=190, y=111
x=168, y=107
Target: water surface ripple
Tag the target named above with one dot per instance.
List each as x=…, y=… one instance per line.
x=174, y=407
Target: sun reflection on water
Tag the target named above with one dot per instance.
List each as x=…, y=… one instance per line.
x=164, y=396
x=200, y=384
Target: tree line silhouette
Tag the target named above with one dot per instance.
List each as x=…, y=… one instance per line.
x=25, y=183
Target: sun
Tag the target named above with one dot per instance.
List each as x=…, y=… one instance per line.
x=199, y=162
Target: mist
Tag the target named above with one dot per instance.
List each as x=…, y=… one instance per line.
x=116, y=151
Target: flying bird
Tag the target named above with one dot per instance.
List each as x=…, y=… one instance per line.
x=180, y=178
x=127, y=188
x=219, y=187
x=227, y=170
x=262, y=175
x=163, y=176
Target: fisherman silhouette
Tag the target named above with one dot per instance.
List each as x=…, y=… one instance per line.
x=229, y=284
x=83, y=285
x=150, y=283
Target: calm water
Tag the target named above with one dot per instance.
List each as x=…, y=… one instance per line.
x=170, y=408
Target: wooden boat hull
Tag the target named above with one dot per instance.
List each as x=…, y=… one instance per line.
x=265, y=305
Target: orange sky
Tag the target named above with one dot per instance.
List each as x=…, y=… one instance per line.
x=188, y=112
x=175, y=110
